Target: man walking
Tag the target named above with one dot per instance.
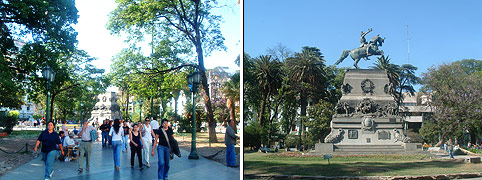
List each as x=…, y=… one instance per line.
x=85, y=145
x=450, y=147
x=105, y=133
x=230, y=140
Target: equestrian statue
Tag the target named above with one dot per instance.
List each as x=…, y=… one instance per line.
x=365, y=50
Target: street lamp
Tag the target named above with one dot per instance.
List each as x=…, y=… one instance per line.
x=49, y=76
x=193, y=80
x=140, y=109
x=81, y=112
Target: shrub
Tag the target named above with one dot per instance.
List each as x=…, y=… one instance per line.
x=292, y=141
x=253, y=134
x=10, y=121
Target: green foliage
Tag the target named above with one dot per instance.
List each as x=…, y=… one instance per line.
x=430, y=132
x=252, y=135
x=183, y=25
x=307, y=75
x=478, y=151
x=10, y=120
x=456, y=93
x=319, y=121
x=292, y=141
x=186, y=121
x=33, y=33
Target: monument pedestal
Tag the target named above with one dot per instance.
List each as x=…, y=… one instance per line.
x=366, y=117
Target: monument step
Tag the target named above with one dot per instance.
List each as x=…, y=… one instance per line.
x=365, y=147
x=369, y=150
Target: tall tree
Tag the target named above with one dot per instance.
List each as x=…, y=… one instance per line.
x=307, y=73
x=32, y=34
x=189, y=22
x=269, y=74
x=402, y=78
x=457, y=96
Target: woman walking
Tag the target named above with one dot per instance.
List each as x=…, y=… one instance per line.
x=116, y=133
x=49, y=139
x=125, y=137
x=147, y=134
x=163, y=149
x=136, y=145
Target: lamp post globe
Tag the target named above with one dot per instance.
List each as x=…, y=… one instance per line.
x=193, y=79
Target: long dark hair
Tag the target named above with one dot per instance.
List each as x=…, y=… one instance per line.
x=116, y=125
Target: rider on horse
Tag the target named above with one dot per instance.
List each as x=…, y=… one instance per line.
x=364, y=43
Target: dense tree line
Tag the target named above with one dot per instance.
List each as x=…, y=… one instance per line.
x=279, y=86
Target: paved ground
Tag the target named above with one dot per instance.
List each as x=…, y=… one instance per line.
x=103, y=168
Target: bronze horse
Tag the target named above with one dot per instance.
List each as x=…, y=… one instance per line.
x=365, y=51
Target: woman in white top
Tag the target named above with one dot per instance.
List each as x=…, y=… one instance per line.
x=147, y=134
x=117, y=133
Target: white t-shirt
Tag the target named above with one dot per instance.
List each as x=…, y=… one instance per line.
x=147, y=134
x=116, y=136
x=68, y=141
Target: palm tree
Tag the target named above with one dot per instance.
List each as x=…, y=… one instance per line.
x=307, y=73
x=402, y=77
x=393, y=72
x=308, y=76
x=231, y=92
x=268, y=72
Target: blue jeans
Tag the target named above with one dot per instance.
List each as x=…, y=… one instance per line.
x=230, y=155
x=163, y=161
x=116, y=149
x=48, y=158
x=124, y=142
x=451, y=153
x=105, y=138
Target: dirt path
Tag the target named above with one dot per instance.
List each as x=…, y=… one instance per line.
x=11, y=161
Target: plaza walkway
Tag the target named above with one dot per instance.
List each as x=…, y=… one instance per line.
x=102, y=167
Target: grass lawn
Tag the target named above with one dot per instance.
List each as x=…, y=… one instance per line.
x=291, y=163
x=23, y=134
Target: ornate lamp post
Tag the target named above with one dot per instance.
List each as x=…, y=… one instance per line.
x=140, y=109
x=193, y=80
x=82, y=112
x=49, y=76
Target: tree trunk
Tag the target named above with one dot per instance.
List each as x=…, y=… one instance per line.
x=127, y=105
x=232, y=108
x=261, y=112
x=176, y=98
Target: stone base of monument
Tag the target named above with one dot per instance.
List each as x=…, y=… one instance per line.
x=366, y=119
x=406, y=148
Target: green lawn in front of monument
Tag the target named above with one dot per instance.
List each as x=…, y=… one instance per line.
x=353, y=165
x=24, y=134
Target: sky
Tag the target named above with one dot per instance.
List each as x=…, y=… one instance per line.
x=438, y=31
x=94, y=37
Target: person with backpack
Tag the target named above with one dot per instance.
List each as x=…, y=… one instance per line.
x=88, y=134
x=164, y=154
